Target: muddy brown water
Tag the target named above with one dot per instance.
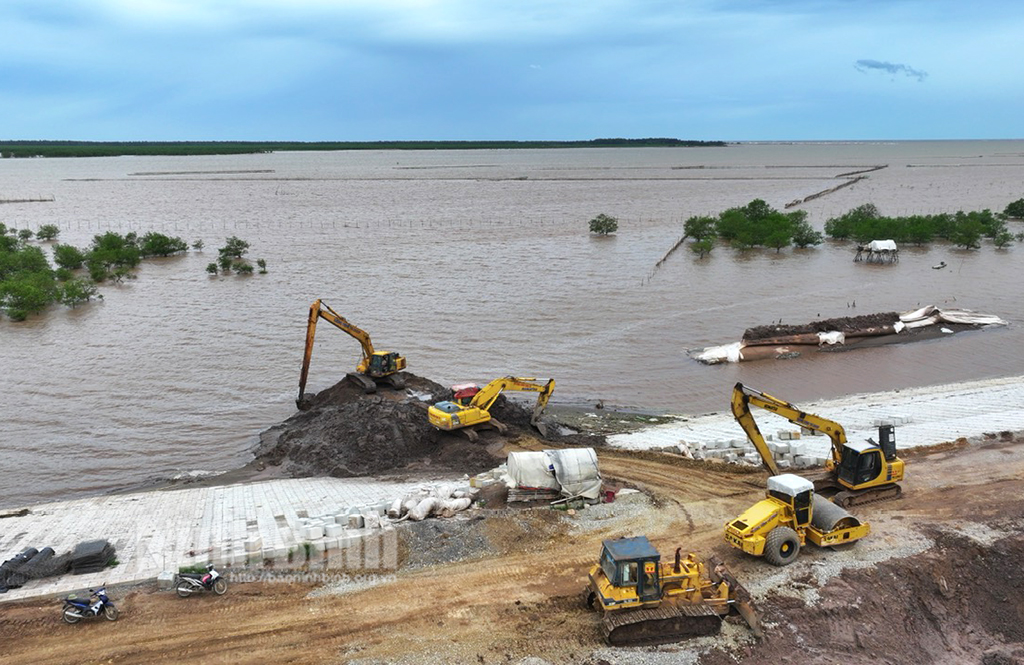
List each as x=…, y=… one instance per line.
x=474, y=264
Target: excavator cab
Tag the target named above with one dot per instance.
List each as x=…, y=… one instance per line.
x=384, y=363
x=463, y=393
x=861, y=464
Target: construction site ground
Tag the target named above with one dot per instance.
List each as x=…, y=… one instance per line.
x=939, y=580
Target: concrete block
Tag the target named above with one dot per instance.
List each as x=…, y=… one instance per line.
x=254, y=544
x=801, y=461
x=784, y=464
x=737, y=443
x=320, y=545
x=313, y=532
x=165, y=580
x=781, y=448
x=355, y=521
x=333, y=530
x=327, y=520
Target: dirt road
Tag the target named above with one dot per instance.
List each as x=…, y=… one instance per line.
x=938, y=580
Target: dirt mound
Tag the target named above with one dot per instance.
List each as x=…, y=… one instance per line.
x=845, y=324
x=959, y=602
x=346, y=432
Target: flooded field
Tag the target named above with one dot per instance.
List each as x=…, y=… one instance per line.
x=473, y=264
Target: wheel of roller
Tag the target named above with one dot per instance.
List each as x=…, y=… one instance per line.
x=782, y=546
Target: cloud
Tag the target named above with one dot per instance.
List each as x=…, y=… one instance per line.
x=892, y=68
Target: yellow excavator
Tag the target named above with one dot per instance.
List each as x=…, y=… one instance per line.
x=645, y=601
x=790, y=515
x=384, y=366
x=859, y=472
x=470, y=408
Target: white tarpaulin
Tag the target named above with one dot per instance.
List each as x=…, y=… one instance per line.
x=931, y=315
x=572, y=471
x=831, y=337
x=882, y=246
x=576, y=471
x=532, y=469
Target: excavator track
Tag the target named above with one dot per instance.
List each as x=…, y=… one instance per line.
x=847, y=498
x=366, y=383
x=660, y=625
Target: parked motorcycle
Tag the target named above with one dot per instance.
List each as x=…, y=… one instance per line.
x=97, y=604
x=187, y=584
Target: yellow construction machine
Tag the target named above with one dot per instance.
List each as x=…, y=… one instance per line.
x=470, y=407
x=384, y=366
x=859, y=472
x=645, y=601
x=791, y=514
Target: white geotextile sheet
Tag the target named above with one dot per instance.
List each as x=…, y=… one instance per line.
x=719, y=354
x=831, y=337
x=576, y=471
x=532, y=469
x=931, y=315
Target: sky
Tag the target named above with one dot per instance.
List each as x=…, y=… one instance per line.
x=368, y=70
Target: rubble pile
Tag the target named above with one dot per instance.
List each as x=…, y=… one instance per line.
x=346, y=433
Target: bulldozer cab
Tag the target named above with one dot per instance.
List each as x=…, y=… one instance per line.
x=795, y=492
x=861, y=464
x=633, y=562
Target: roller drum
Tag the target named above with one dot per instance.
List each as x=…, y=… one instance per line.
x=829, y=517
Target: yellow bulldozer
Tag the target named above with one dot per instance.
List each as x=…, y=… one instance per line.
x=470, y=408
x=646, y=601
x=790, y=515
x=856, y=472
x=384, y=366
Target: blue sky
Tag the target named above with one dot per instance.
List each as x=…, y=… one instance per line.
x=315, y=70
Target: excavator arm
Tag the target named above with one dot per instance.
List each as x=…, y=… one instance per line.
x=489, y=393
x=320, y=310
x=743, y=396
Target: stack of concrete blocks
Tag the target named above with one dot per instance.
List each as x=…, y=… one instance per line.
x=733, y=451
x=495, y=475
x=335, y=539
x=893, y=420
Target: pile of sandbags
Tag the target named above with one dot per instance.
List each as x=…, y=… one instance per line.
x=430, y=501
x=91, y=556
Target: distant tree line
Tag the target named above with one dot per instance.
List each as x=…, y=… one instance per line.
x=757, y=224
x=116, y=148
x=963, y=229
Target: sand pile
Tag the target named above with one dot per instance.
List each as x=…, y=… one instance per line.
x=346, y=432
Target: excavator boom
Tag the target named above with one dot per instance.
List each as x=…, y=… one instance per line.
x=366, y=368
x=861, y=472
x=743, y=396
x=476, y=414
x=489, y=393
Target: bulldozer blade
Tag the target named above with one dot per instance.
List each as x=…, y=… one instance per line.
x=746, y=610
x=661, y=625
x=738, y=594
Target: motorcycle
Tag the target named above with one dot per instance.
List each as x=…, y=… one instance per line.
x=97, y=604
x=188, y=583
